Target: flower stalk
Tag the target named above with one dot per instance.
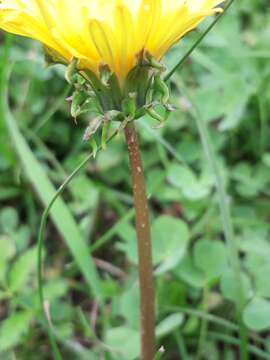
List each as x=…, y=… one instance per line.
x=146, y=281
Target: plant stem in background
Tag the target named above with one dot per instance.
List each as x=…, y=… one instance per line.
x=41, y=238
x=204, y=325
x=226, y=221
x=147, y=293
x=197, y=43
x=229, y=234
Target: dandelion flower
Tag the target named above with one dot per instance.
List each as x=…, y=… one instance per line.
x=105, y=32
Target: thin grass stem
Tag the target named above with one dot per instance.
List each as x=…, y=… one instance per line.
x=217, y=321
x=227, y=339
x=226, y=219
x=181, y=346
x=204, y=326
x=197, y=43
x=41, y=238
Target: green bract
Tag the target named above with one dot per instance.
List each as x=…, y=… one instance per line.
x=106, y=100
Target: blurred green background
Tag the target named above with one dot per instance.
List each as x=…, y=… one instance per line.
x=228, y=78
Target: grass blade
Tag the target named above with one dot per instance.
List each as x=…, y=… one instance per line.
x=197, y=43
x=60, y=214
x=225, y=213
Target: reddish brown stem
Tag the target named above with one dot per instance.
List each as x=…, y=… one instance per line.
x=147, y=293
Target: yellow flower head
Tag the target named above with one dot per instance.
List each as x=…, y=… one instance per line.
x=105, y=32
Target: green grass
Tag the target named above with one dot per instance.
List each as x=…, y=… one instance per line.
x=227, y=78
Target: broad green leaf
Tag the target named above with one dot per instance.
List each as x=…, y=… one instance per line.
x=170, y=238
x=184, y=178
x=210, y=256
x=60, y=213
x=257, y=314
x=169, y=324
x=108, y=159
x=127, y=233
x=251, y=180
x=12, y=330
x=8, y=219
x=7, y=248
x=255, y=243
x=262, y=284
x=22, y=237
x=230, y=286
x=253, y=262
x=7, y=251
x=124, y=342
x=155, y=180
x=22, y=269
x=128, y=306
x=55, y=288
x=266, y=159
x=189, y=273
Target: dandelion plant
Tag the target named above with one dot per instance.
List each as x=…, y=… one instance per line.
x=113, y=51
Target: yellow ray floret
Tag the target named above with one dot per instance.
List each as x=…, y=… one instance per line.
x=111, y=32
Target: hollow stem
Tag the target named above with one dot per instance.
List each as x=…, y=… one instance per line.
x=147, y=293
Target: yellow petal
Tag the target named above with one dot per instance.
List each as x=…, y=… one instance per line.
x=111, y=32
